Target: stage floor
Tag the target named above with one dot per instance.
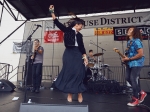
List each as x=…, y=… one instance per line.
x=96, y=102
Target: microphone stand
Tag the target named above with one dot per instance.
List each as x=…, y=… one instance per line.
x=122, y=47
x=101, y=49
x=27, y=60
x=52, y=55
x=122, y=64
x=97, y=39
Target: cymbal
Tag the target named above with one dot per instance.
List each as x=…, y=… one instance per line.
x=90, y=65
x=98, y=54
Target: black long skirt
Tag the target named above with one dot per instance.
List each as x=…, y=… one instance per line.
x=70, y=79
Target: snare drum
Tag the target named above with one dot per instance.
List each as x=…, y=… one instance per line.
x=90, y=65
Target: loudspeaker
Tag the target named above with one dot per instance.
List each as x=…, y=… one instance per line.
x=145, y=72
x=26, y=107
x=6, y=85
x=145, y=84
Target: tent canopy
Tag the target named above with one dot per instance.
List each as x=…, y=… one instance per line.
x=33, y=9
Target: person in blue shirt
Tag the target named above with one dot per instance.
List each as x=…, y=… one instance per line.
x=134, y=61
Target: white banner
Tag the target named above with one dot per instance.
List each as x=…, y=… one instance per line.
x=117, y=20
x=22, y=47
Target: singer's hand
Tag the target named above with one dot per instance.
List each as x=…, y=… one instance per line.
x=85, y=61
x=51, y=7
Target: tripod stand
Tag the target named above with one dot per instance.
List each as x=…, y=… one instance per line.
x=28, y=54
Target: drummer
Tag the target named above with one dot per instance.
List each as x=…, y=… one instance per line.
x=91, y=58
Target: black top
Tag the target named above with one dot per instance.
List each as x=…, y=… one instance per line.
x=69, y=32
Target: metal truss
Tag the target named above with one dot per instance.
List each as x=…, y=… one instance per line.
x=10, y=11
x=6, y=6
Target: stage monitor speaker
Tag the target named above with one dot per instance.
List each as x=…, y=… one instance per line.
x=6, y=85
x=26, y=107
x=145, y=84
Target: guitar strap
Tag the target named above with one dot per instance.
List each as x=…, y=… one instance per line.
x=128, y=47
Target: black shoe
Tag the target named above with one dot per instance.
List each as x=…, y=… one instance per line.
x=33, y=90
x=37, y=90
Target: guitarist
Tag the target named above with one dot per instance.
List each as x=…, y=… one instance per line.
x=37, y=58
x=135, y=60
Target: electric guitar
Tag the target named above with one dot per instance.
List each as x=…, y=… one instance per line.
x=117, y=51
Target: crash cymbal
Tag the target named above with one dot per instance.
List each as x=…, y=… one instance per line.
x=98, y=54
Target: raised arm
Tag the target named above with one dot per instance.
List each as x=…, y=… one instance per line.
x=58, y=24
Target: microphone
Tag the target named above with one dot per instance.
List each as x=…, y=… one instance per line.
x=38, y=25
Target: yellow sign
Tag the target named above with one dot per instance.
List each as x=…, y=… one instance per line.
x=103, y=31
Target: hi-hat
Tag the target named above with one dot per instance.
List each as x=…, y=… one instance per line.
x=98, y=54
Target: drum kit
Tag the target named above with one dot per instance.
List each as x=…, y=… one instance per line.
x=97, y=68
